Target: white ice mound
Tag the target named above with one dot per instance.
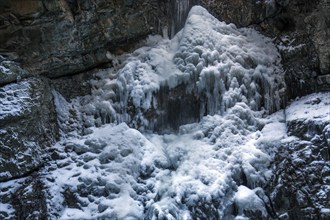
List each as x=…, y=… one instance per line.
x=116, y=172
x=216, y=62
x=230, y=64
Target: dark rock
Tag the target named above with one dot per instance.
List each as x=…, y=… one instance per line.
x=29, y=200
x=112, y=188
x=10, y=71
x=299, y=189
x=101, y=208
x=178, y=107
x=28, y=125
x=71, y=198
x=240, y=12
x=323, y=82
x=72, y=86
x=66, y=37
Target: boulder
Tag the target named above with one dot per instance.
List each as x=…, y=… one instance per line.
x=10, y=71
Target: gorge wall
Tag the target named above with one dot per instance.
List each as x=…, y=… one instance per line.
x=58, y=37
x=58, y=47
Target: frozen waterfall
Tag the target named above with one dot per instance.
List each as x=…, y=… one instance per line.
x=207, y=93
x=179, y=10
x=205, y=69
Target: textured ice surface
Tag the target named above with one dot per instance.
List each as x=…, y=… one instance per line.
x=118, y=172
x=204, y=170
x=216, y=62
x=101, y=172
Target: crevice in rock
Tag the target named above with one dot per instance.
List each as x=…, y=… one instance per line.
x=27, y=174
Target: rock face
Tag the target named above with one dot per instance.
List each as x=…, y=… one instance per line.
x=28, y=124
x=59, y=38
x=299, y=28
x=69, y=36
x=10, y=71
x=300, y=187
x=32, y=189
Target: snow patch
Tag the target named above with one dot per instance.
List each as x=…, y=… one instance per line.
x=315, y=107
x=246, y=199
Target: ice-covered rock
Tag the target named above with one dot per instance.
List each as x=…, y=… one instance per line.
x=97, y=175
x=209, y=89
x=194, y=173
x=247, y=201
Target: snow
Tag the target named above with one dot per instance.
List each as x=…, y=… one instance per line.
x=325, y=210
x=288, y=44
x=315, y=106
x=14, y=99
x=6, y=208
x=4, y=66
x=5, y=70
x=111, y=164
x=246, y=199
x=108, y=159
x=113, y=170
x=6, y=190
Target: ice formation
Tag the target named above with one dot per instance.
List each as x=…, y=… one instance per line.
x=180, y=11
x=110, y=164
x=215, y=63
x=208, y=169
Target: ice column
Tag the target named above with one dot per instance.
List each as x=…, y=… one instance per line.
x=180, y=10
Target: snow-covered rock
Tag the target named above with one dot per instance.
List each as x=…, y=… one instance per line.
x=27, y=125
x=214, y=85
x=300, y=187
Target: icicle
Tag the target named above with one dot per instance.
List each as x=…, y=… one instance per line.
x=181, y=9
